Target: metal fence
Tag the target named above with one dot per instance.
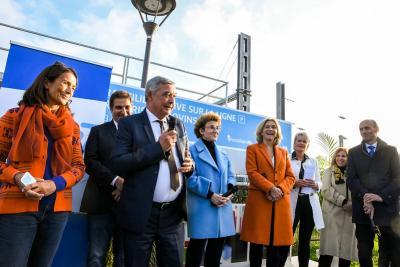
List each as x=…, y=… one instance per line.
x=126, y=68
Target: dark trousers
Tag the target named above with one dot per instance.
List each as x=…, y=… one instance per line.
x=31, y=239
x=389, y=245
x=276, y=255
x=304, y=216
x=165, y=228
x=102, y=227
x=326, y=261
x=212, y=257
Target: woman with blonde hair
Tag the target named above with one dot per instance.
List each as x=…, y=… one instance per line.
x=338, y=237
x=267, y=216
x=306, y=208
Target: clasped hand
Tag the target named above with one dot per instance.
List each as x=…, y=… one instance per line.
x=219, y=200
x=348, y=206
x=368, y=205
x=274, y=194
x=36, y=190
x=306, y=183
x=119, y=185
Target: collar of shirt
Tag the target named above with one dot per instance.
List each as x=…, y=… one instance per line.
x=295, y=158
x=153, y=118
x=163, y=191
x=367, y=145
x=116, y=124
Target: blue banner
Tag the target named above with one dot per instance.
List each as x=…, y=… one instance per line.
x=238, y=127
x=25, y=63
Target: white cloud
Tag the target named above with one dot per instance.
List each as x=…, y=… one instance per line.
x=335, y=56
x=97, y=3
x=11, y=13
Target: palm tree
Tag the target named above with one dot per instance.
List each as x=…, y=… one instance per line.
x=329, y=145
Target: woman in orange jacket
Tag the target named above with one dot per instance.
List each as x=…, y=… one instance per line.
x=39, y=138
x=267, y=216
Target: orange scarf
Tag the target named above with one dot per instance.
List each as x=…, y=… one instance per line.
x=29, y=136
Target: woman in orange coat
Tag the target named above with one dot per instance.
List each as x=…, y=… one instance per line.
x=267, y=216
x=41, y=138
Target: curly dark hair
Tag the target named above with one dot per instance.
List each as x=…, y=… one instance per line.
x=202, y=121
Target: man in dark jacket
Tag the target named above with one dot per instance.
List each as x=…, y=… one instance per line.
x=374, y=179
x=152, y=149
x=103, y=187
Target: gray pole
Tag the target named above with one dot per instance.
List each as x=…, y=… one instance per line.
x=149, y=28
x=280, y=101
x=341, y=140
x=146, y=62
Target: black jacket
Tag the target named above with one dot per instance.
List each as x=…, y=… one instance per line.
x=380, y=175
x=97, y=198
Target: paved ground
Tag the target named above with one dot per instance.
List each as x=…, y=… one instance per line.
x=289, y=263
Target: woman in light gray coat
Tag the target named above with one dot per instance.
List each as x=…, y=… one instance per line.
x=338, y=236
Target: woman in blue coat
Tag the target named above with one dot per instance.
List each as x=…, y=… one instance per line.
x=210, y=216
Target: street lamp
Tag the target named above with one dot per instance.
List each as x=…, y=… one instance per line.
x=341, y=140
x=151, y=9
x=341, y=137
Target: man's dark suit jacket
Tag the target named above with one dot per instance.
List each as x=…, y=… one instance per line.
x=138, y=155
x=97, y=198
x=380, y=175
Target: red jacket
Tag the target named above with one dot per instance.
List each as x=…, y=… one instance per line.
x=12, y=200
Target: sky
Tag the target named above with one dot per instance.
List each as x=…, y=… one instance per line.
x=336, y=57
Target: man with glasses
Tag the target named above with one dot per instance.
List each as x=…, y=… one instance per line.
x=152, y=149
x=373, y=173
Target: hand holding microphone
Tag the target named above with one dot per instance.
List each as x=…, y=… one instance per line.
x=168, y=138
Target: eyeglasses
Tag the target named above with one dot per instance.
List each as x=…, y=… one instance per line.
x=214, y=128
x=168, y=95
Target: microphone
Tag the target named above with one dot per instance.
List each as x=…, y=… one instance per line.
x=171, y=123
x=231, y=191
x=171, y=126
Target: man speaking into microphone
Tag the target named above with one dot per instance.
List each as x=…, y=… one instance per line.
x=151, y=151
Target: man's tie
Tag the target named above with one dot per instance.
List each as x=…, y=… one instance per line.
x=173, y=171
x=371, y=151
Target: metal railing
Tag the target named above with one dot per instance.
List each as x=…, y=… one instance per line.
x=127, y=59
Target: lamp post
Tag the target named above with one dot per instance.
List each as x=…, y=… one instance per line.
x=151, y=10
x=341, y=137
x=341, y=140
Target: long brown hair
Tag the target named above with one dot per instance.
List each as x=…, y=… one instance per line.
x=37, y=94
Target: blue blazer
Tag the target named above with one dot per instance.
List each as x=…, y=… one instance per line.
x=136, y=157
x=205, y=220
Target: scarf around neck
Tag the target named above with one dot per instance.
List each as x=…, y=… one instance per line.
x=29, y=135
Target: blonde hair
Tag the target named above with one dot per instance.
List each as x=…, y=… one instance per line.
x=339, y=149
x=260, y=128
x=305, y=135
